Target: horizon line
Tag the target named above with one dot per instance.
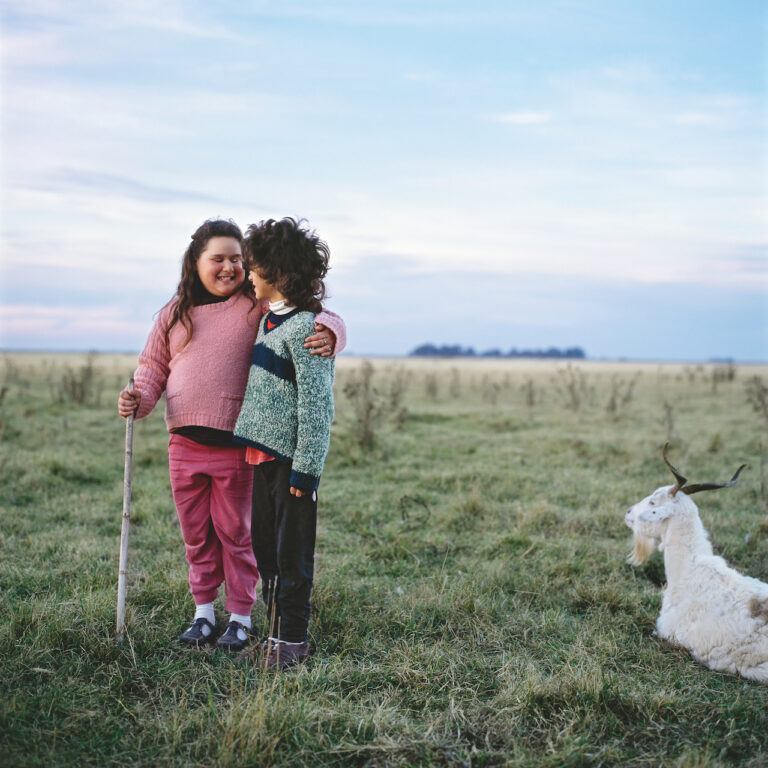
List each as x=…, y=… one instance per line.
x=477, y=357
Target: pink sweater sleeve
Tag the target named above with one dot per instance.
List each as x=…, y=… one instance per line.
x=336, y=324
x=151, y=376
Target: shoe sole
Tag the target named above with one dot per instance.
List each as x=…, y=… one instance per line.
x=288, y=664
x=197, y=643
x=231, y=648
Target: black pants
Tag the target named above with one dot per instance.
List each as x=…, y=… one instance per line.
x=283, y=531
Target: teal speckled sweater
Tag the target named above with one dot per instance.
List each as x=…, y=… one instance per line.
x=288, y=406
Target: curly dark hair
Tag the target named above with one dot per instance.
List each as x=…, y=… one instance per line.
x=190, y=291
x=290, y=256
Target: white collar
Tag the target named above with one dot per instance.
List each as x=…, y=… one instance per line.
x=281, y=307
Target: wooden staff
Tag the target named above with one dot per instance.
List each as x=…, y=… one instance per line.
x=121, y=582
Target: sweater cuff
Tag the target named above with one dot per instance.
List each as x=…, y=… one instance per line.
x=146, y=406
x=336, y=324
x=303, y=481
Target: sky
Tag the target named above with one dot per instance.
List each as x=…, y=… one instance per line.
x=501, y=174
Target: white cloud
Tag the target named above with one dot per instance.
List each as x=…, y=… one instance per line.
x=515, y=228
x=404, y=14
x=703, y=177
x=171, y=16
x=524, y=117
x=38, y=48
x=695, y=118
x=630, y=73
x=617, y=171
x=108, y=327
x=420, y=76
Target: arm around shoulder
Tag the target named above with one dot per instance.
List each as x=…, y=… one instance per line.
x=336, y=324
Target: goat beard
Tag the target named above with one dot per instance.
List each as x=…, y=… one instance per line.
x=643, y=548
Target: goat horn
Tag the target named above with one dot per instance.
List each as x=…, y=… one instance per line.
x=681, y=479
x=689, y=489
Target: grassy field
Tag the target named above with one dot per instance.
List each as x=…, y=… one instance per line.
x=473, y=606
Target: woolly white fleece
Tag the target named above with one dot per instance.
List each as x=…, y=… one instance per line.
x=718, y=614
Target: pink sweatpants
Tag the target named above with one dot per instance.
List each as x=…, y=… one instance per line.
x=212, y=492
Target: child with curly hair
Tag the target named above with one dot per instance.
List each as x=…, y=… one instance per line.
x=286, y=422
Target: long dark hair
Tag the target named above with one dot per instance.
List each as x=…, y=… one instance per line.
x=290, y=256
x=190, y=291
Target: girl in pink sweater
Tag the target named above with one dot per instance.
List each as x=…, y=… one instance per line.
x=199, y=353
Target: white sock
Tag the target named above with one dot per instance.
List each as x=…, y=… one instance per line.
x=205, y=611
x=283, y=642
x=242, y=619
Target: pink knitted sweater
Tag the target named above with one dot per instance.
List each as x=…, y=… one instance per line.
x=205, y=381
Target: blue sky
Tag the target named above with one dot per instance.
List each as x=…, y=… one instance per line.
x=514, y=174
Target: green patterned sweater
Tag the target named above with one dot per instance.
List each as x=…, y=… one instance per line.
x=288, y=406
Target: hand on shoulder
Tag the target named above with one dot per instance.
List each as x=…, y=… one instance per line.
x=322, y=342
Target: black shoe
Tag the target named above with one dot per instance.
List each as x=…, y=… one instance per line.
x=230, y=641
x=194, y=634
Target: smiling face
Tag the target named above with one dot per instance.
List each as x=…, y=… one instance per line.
x=220, y=266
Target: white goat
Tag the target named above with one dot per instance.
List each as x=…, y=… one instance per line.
x=719, y=615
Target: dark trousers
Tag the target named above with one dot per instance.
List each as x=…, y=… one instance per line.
x=283, y=531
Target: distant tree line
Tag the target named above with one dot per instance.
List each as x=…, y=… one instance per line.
x=455, y=350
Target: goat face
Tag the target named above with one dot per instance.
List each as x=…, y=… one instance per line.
x=649, y=519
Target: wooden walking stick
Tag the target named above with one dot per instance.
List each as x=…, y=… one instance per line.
x=121, y=573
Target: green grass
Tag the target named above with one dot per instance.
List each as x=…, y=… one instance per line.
x=472, y=607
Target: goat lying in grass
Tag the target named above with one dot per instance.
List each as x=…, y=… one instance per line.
x=720, y=616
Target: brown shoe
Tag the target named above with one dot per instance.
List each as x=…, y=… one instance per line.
x=254, y=654
x=279, y=655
